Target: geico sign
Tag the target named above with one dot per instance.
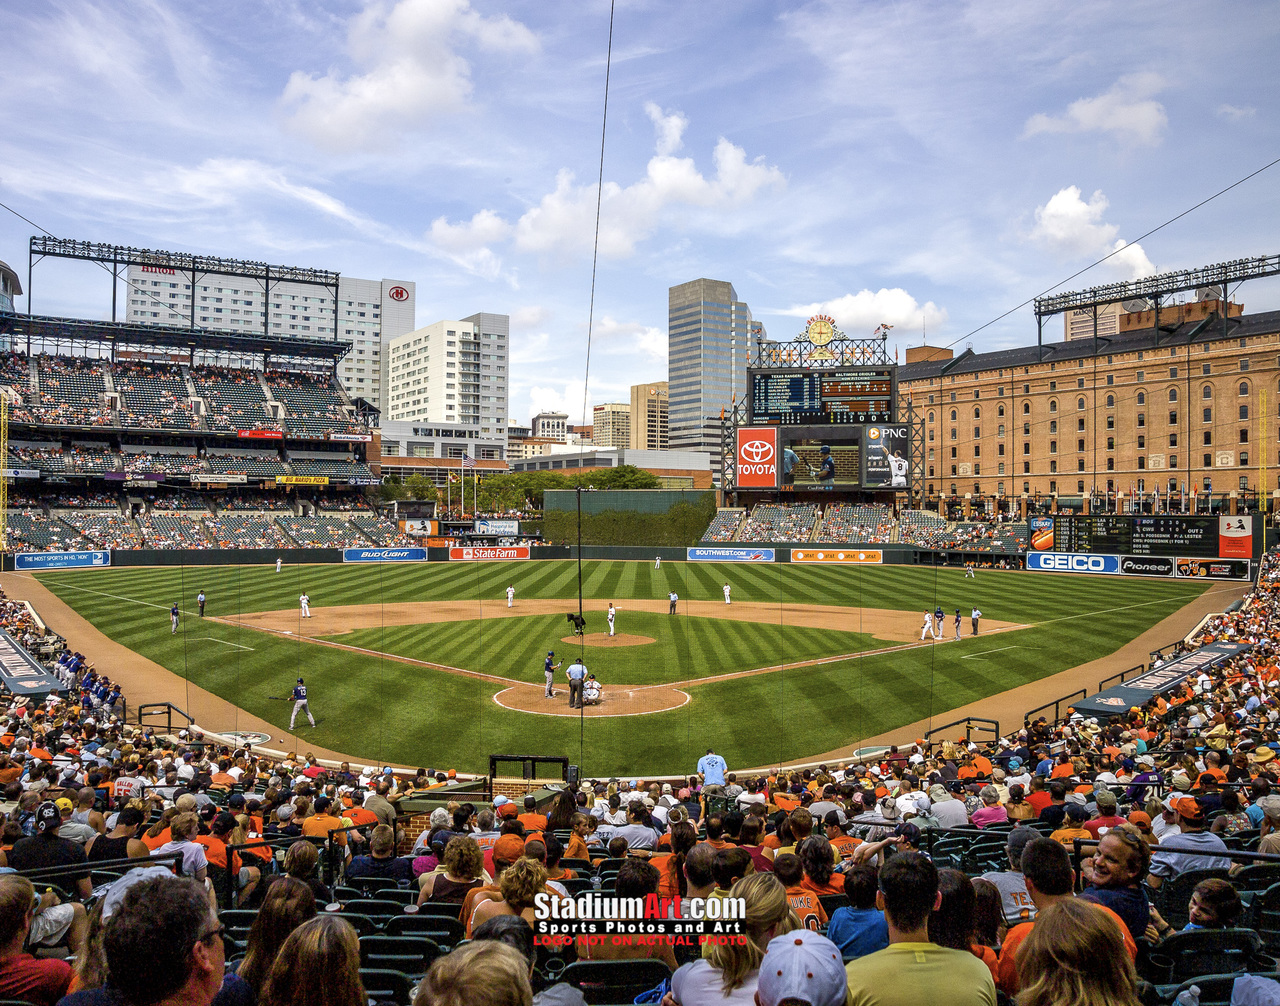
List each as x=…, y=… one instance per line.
x=1072, y=562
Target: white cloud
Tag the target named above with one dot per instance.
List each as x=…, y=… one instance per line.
x=631, y=337
x=1234, y=113
x=467, y=243
x=670, y=127
x=1069, y=226
x=564, y=219
x=528, y=317
x=858, y=314
x=413, y=72
x=1127, y=110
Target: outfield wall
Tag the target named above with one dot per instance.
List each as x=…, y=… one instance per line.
x=890, y=555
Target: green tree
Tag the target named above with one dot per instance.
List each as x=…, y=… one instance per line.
x=420, y=487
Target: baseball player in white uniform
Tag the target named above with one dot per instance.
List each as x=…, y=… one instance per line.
x=969, y=574
x=657, y=562
x=610, y=617
x=300, y=702
x=927, y=631
x=511, y=595
x=278, y=561
x=726, y=593
x=305, y=602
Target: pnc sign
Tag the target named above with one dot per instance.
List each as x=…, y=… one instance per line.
x=398, y=293
x=758, y=457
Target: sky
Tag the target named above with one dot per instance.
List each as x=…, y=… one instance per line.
x=928, y=165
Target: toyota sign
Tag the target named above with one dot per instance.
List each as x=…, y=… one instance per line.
x=758, y=457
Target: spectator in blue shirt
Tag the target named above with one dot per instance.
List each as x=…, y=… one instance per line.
x=711, y=767
x=861, y=929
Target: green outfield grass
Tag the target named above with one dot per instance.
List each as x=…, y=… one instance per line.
x=682, y=647
x=381, y=709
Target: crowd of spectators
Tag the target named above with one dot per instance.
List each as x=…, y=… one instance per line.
x=169, y=464
x=772, y=522
x=71, y=392
x=724, y=525
x=1050, y=864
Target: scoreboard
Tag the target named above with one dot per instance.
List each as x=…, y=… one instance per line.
x=1174, y=535
x=826, y=397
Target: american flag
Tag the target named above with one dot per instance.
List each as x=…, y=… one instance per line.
x=468, y=461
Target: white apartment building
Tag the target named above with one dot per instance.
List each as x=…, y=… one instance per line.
x=451, y=372
x=370, y=313
x=552, y=425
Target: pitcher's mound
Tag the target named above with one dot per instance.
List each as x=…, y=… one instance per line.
x=604, y=639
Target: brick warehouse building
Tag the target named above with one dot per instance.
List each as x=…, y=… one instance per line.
x=1142, y=409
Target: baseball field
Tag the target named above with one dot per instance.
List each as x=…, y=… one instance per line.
x=424, y=664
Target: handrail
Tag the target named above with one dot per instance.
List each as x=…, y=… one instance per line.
x=168, y=709
x=1055, y=705
x=224, y=880
x=76, y=870
x=1139, y=668
x=331, y=849
x=970, y=723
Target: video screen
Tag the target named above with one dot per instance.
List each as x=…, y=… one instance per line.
x=815, y=462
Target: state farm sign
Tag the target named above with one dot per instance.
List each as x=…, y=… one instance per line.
x=758, y=457
x=488, y=553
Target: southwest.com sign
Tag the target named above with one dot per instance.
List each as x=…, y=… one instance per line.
x=730, y=555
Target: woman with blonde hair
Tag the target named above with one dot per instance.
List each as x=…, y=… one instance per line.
x=1075, y=956
x=463, y=870
x=483, y=973
x=519, y=884
x=727, y=975
x=318, y=965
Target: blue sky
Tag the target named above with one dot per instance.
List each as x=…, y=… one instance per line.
x=928, y=165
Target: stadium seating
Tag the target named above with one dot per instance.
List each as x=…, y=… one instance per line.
x=246, y=531
x=313, y=406
x=724, y=525
x=339, y=470
x=866, y=524
x=923, y=528
x=772, y=522
x=106, y=530
x=88, y=461
x=322, y=532
x=174, y=530
x=154, y=396
x=15, y=372
x=46, y=459
x=71, y=392
x=342, y=502
x=381, y=531
x=235, y=399
x=170, y=464
x=261, y=466
x=34, y=532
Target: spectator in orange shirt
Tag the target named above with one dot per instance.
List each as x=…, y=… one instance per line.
x=319, y=824
x=715, y=832
x=670, y=868
x=531, y=819
x=577, y=847
x=804, y=902
x=215, y=843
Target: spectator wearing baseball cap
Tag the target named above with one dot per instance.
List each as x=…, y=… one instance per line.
x=801, y=967
x=1107, y=818
x=47, y=848
x=1189, y=849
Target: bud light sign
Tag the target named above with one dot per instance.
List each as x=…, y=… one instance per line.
x=1073, y=562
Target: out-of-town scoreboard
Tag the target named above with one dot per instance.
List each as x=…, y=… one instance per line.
x=1195, y=536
